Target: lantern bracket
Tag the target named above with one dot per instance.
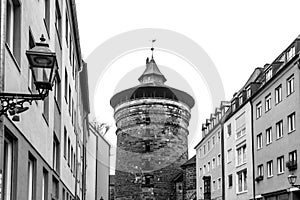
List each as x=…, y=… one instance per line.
x=13, y=102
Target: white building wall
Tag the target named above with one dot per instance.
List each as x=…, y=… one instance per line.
x=232, y=142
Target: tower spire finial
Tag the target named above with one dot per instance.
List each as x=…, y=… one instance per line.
x=152, y=48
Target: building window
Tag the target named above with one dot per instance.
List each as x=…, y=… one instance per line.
x=219, y=136
x=293, y=156
x=278, y=94
x=208, y=166
x=69, y=151
x=219, y=160
x=208, y=145
x=269, y=74
x=242, y=181
x=290, y=85
x=260, y=170
x=67, y=27
x=58, y=20
x=241, y=99
x=55, y=153
x=57, y=90
x=248, y=92
x=66, y=85
x=233, y=105
x=270, y=168
x=65, y=142
x=71, y=159
x=279, y=129
x=259, y=141
x=13, y=27
x=213, y=141
x=147, y=146
x=291, y=122
x=290, y=53
x=280, y=165
x=55, y=189
x=229, y=155
x=268, y=103
x=45, y=185
x=63, y=194
x=31, y=175
x=219, y=183
x=258, y=110
x=46, y=109
x=240, y=133
x=269, y=135
x=214, y=186
x=213, y=163
x=204, y=169
x=8, y=170
x=229, y=130
x=204, y=149
x=241, y=155
x=47, y=15
x=230, y=182
x=70, y=101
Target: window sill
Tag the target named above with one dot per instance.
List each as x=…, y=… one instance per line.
x=291, y=131
x=279, y=138
x=13, y=57
x=278, y=174
x=268, y=143
x=278, y=102
x=242, y=192
x=268, y=177
x=290, y=94
x=240, y=165
x=266, y=111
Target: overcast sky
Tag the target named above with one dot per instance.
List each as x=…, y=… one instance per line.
x=237, y=35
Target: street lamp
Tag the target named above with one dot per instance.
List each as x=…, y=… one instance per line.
x=292, y=180
x=43, y=67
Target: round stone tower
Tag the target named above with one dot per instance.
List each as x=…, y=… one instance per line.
x=152, y=129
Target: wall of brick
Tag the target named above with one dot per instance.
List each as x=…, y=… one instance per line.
x=162, y=126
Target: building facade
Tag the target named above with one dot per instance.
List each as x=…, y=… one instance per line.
x=152, y=128
x=42, y=149
x=238, y=156
x=275, y=126
x=189, y=179
x=97, y=170
x=209, y=156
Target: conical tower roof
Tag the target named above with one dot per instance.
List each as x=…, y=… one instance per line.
x=152, y=74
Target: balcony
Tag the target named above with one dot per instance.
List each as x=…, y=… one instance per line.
x=291, y=165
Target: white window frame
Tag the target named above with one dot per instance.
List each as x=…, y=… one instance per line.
x=291, y=122
x=280, y=165
x=290, y=85
x=269, y=135
x=278, y=94
x=258, y=110
x=244, y=181
x=270, y=168
x=260, y=170
x=241, y=153
x=268, y=101
x=229, y=155
x=279, y=129
x=259, y=141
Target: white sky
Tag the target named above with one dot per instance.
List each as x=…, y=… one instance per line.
x=237, y=35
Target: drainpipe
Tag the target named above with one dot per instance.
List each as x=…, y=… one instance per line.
x=253, y=164
x=222, y=159
x=2, y=62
